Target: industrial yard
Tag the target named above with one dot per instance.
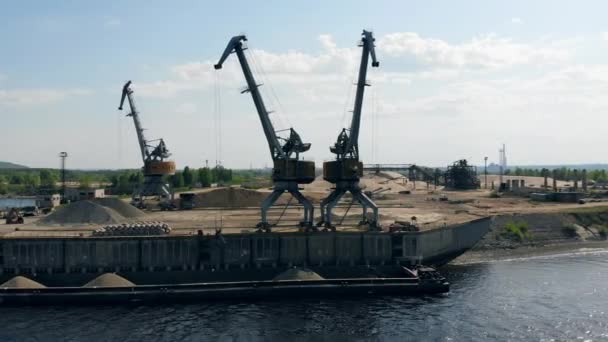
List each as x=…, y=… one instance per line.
x=236, y=210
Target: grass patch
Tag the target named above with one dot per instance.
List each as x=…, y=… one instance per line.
x=494, y=194
x=587, y=210
x=516, y=230
x=603, y=231
x=569, y=230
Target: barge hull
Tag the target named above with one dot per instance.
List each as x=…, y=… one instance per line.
x=219, y=291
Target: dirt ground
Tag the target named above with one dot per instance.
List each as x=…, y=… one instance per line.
x=422, y=201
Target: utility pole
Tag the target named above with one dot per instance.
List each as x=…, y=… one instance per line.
x=485, y=170
x=63, y=156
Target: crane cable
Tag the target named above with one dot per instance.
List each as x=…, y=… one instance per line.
x=119, y=146
x=349, y=98
x=374, y=125
x=280, y=114
x=217, y=119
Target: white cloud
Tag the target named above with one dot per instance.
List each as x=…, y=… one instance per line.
x=517, y=21
x=492, y=88
x=487, y=51
x=336, y=67
x=27, y=97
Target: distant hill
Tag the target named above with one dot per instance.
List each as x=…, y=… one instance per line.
x=7, y=165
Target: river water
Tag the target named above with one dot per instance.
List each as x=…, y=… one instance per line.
x=558, y=298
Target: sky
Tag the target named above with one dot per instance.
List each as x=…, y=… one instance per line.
x=456, y=80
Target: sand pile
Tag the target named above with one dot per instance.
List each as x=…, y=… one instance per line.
x=20, y=282
x=229, y=198
x=298, y=273
x=120, y=206
x=319, y=185
x=109, y=280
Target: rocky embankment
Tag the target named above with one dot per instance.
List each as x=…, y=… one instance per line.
x=535, y=234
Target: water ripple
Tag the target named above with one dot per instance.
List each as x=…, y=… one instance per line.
x=540, y=299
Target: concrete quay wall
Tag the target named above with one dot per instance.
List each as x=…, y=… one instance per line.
x=235, y=251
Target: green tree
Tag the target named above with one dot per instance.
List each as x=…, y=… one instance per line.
x=124, y=183
x=85, y=181
x=204, y=176
x=31, y=180
x=188, y=177
x=48, y=179
x=177, y=180
x=16, y=179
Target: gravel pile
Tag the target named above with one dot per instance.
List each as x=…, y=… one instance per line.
x=123, y=208
x=133, y=229
x=83, y=212
x=109, y=280
x=229, y=198
x=20, y=282
x=298, y=273
x=100, y=211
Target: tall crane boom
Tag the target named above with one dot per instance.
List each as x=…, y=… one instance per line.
x=155, y=167
x=128, y=93
x=288, y=170
x=236, y=45
x=346, y=171
x=348, y=143
x=158, y=152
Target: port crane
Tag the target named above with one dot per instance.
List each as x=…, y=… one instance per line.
x=156, y=167
x=288, y=170
x=346, y=170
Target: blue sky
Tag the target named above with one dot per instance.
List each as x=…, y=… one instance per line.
x=457, y=79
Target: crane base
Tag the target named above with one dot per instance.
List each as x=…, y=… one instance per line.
x=279, y=189
x=334, y=197
x=153, y=186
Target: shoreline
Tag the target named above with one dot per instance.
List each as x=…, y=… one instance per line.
x=487, y=255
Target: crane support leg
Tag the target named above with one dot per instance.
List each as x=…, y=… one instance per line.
x=366, y=202
x=332, y=200
x=268, y=202
x=153, y=186
x=327, y=205
x=308, y=209
x=279, y=189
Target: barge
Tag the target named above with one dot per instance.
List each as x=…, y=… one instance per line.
x=403, y=282
x=245, y=263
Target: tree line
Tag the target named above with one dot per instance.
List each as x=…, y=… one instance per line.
x=563, y=173
x=121, y=182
